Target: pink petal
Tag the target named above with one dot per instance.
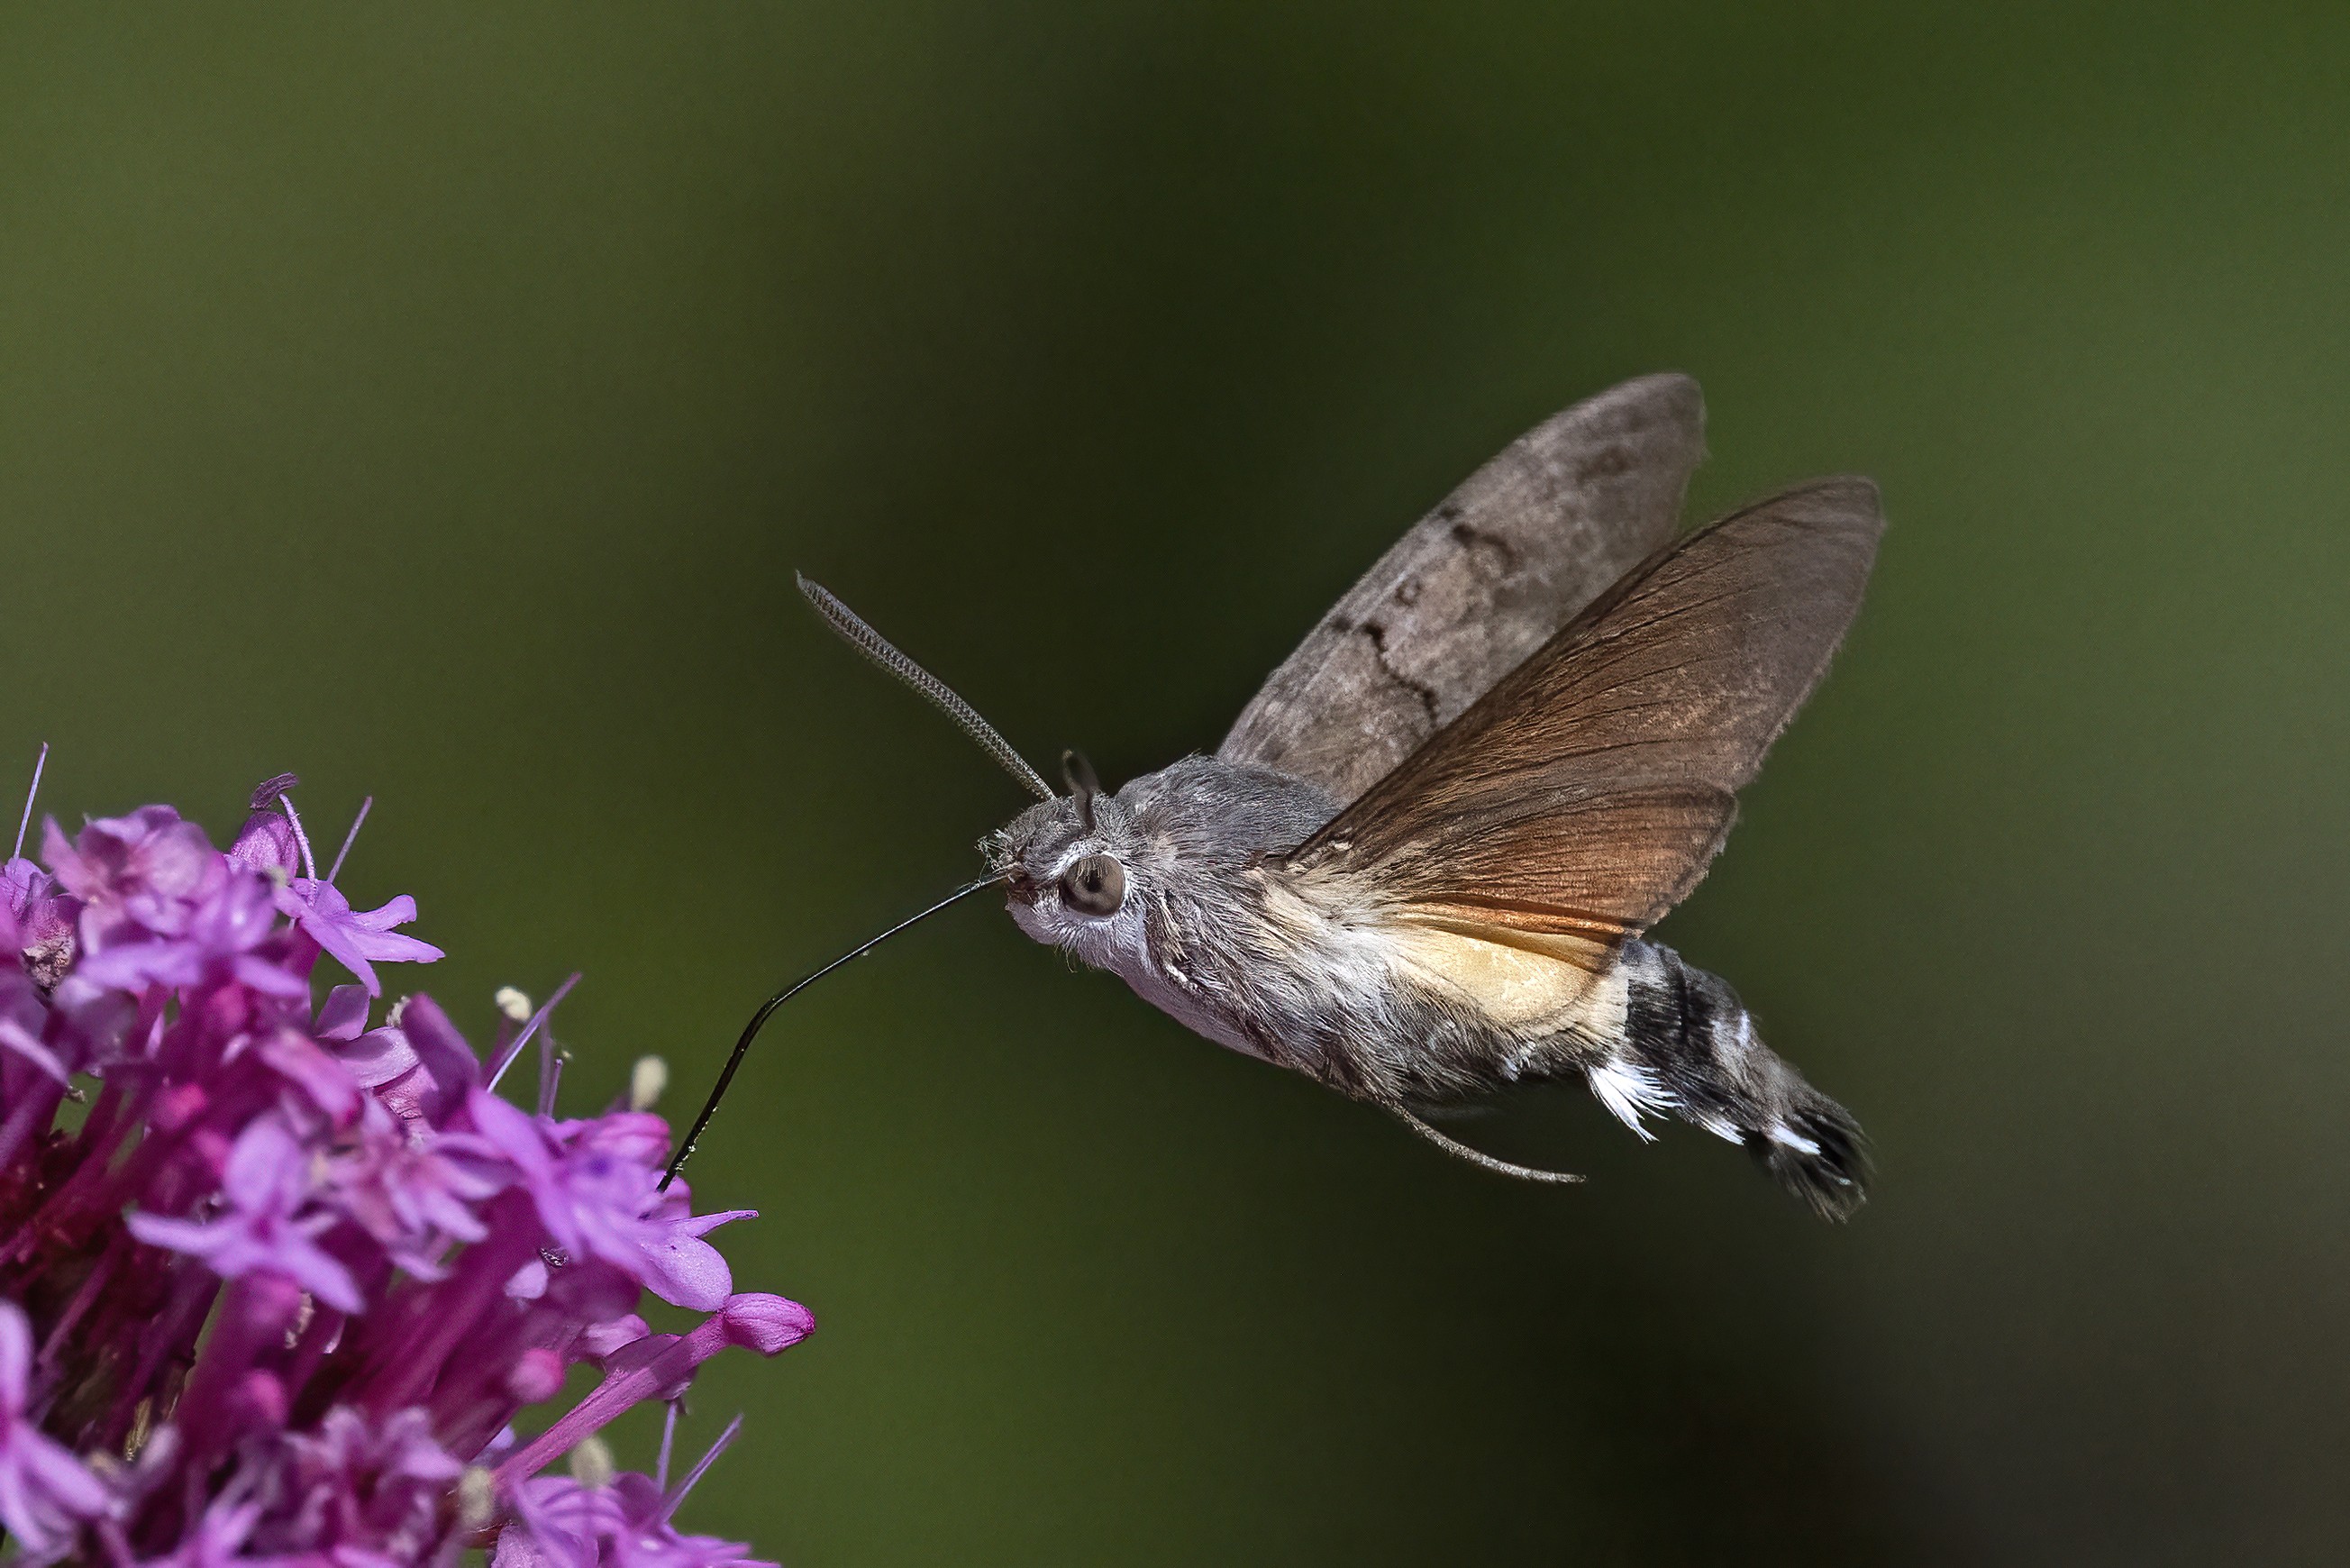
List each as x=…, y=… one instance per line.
x=315, y=1271
x=343, y=1014
x=689, y=1273
x=330, y=1085
x=267, y=978
x=174, y=1235
x=702, y=1224
x=446, y=1056
x=13, y=1036
x=67, y=1481
x=266, y=1171
x=391, y=947
x=16, y=1359
x=378, y=1057
x=397, y=911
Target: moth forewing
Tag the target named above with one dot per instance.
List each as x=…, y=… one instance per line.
x=1501, y=563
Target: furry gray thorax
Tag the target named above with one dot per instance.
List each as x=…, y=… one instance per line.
x=1218, y=932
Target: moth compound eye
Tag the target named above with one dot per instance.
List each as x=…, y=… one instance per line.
x=1094, y=886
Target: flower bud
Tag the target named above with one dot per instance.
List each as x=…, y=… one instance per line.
x=265, y=844
x=768, y=1324
x=537, y=1376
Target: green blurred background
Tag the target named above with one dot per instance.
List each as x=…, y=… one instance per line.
x=436, y=401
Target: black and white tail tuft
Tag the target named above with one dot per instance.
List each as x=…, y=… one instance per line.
x=1690, y=1048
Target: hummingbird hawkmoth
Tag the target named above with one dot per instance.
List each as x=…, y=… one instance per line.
x=1420, y=866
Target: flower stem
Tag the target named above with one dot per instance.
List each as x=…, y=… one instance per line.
x=403, y=1371
x=616, y=1393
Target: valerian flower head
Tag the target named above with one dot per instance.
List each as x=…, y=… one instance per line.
x=287, y=1291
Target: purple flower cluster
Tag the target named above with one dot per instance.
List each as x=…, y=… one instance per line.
x=284, y=1289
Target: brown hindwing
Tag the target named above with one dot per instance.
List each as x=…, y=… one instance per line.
x=1586, y=793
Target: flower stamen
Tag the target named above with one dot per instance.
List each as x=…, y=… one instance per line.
x=309, y=865
x=31, y=795
x=700, y=1468
x=350, y=838
x=512, y=1047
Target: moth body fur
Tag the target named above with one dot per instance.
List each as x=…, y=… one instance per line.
x=1308, y=970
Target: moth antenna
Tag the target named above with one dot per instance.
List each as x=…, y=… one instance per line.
x=878, y=649
x=767, y=1009
x=1460, y=1150
x=1078, y=775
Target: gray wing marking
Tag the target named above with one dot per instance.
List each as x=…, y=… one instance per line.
x=1477, y=586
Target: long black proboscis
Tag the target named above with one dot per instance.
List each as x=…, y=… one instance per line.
x=767, y=1009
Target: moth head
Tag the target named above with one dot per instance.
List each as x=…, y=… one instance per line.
x=1074, y=865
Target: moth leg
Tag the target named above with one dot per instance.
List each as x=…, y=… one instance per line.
x=1460, y=1150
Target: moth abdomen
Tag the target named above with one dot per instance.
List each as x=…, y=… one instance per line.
x=1691, y=1045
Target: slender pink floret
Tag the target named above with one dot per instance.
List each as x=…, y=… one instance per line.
x=289, y=1289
